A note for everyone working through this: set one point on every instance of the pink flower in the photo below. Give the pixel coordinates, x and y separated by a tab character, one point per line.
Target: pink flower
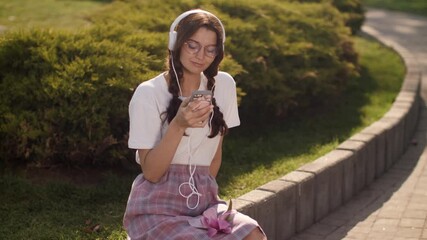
217	223
214	222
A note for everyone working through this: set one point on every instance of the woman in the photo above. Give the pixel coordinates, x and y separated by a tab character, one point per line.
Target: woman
179	141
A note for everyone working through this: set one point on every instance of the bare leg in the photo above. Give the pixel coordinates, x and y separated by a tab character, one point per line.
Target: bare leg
256	234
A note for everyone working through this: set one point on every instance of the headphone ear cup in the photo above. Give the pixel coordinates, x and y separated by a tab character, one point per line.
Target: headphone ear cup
172	40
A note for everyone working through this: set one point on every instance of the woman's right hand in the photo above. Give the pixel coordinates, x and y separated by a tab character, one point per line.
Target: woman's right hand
193	114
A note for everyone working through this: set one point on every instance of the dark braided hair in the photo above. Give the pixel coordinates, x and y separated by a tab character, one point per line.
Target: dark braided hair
187	27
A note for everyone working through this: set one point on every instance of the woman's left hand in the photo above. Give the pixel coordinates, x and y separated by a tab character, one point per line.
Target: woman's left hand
200	113
194	114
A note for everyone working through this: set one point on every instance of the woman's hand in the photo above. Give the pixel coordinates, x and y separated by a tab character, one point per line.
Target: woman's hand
194	114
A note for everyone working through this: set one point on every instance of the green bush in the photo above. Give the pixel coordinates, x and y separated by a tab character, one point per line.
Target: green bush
352	11
284	55
64	96
294	54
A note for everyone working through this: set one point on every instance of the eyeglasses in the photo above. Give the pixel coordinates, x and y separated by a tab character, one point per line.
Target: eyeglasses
194	47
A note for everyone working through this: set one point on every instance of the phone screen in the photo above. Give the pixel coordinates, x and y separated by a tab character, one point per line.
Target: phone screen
201	96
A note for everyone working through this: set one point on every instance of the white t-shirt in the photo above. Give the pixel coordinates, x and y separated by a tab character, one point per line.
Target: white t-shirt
146	128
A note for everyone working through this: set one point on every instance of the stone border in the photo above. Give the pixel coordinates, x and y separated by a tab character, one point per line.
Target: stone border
292	203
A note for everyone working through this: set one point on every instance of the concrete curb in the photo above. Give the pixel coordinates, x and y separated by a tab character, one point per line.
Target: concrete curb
291	204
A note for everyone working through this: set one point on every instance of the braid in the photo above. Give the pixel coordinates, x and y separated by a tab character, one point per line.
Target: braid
175	101
218	123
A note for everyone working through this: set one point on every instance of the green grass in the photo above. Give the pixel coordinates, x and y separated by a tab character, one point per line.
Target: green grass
410	6
70	14
60	210
252	156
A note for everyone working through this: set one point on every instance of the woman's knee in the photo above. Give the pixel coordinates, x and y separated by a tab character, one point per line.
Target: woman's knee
256	234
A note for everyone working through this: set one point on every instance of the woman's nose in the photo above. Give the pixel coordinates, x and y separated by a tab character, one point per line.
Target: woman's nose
200	54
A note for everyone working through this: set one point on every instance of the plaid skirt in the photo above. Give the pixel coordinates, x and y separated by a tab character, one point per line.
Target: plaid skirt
158	211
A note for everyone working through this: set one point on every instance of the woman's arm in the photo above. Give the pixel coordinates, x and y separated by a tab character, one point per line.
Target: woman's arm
155	162
216	161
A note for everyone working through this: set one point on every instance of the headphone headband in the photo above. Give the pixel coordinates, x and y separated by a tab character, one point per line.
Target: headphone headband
173	33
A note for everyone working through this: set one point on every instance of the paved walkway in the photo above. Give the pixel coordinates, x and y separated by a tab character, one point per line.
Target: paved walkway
395	206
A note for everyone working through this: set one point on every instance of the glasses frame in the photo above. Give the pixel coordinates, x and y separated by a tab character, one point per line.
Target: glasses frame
194	47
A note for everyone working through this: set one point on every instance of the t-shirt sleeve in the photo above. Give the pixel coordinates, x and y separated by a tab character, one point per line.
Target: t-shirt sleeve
144	119
231	112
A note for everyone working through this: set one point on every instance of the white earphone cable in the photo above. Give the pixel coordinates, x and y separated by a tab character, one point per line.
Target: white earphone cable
176	76
191	182
191	168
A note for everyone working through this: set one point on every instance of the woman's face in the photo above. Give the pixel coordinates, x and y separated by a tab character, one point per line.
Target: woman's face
199	51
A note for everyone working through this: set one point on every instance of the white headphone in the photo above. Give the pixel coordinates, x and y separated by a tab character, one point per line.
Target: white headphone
172	32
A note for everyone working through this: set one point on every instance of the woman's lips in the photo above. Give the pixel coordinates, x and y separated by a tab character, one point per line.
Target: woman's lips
199	65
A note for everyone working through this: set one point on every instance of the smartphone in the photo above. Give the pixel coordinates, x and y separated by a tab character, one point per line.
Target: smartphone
201	95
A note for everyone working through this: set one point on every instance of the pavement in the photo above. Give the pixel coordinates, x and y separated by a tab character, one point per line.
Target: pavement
394	206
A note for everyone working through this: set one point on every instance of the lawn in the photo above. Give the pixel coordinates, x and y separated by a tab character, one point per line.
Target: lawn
69	14
412	6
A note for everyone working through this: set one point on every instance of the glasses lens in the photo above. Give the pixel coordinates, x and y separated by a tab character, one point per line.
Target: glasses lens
211	51
193	47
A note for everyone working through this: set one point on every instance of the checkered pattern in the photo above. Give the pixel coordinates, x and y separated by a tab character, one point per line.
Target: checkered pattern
158	211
